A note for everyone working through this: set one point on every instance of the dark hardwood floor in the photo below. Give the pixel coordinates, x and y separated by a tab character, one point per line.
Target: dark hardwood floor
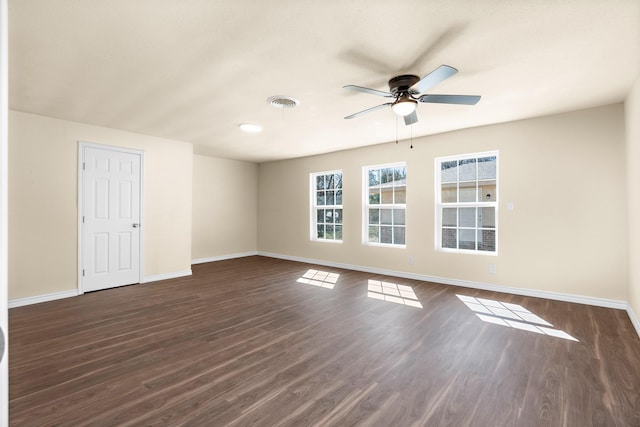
266	342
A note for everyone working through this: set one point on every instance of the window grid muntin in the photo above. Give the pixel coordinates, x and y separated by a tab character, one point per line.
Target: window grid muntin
480	176
378	180
327	212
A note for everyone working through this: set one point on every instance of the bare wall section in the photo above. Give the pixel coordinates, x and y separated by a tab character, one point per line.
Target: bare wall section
632	111
43	212
564	174
225	207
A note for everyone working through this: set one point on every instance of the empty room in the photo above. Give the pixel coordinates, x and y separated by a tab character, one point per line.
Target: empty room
297	213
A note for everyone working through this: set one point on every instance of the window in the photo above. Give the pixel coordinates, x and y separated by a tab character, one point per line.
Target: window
467	202
326	206
385	197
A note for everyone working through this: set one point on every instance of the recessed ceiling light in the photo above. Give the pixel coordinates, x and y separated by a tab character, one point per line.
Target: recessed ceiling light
250	127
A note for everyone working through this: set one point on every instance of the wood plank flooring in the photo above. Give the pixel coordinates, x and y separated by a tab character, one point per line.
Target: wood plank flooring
266	342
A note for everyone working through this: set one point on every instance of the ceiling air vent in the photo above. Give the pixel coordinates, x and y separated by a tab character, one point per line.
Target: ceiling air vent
280	101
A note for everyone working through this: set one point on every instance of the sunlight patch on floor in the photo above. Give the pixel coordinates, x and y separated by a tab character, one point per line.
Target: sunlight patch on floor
511	315
323	279
393	292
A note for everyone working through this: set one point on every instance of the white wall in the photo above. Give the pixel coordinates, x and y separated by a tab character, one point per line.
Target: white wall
43	210
564	173
632	111
4	105
225	205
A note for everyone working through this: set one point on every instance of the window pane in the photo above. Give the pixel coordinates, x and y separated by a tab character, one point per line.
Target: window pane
320	233
467	192
374	196
328	182
449	238
385	216
398	217
387	195
320	216
400	175
467	170
328	232
338	216
487	167
467	239
338	230
386	175
338	197
449	171
487	191
320	182
374	216
487	217
449	193
487	240
330	197
450	217
374	177
337	180
320	198
467	217
401	195
386	234
374	234
398	235
328	216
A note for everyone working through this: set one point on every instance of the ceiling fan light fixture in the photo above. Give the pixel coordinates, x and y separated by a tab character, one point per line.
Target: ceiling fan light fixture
404	106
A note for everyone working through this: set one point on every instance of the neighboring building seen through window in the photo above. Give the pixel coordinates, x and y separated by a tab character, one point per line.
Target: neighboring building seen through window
467	203
385	198
326	206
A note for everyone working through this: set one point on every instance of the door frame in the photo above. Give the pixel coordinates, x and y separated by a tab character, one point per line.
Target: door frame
81	146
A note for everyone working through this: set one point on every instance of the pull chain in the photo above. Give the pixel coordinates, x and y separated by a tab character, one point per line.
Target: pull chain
411	137
396	129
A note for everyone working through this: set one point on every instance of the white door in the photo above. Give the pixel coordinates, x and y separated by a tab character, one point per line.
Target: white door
110	222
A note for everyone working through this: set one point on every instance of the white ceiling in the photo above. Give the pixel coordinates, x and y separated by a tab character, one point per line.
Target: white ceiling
193	70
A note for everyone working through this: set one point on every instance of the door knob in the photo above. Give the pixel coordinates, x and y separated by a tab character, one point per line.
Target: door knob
136	225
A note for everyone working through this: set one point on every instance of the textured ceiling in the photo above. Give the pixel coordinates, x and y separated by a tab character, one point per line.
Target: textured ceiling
193	70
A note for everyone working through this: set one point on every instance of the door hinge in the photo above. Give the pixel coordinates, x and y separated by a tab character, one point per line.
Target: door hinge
84	166
83	219
83	272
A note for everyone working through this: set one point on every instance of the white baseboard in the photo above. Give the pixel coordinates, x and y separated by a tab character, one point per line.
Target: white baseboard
223	257
42	298
600	302
74	293
634	319
165	276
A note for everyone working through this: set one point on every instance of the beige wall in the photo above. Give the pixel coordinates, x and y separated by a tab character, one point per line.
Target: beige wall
43	170
225	205
565	175
632	110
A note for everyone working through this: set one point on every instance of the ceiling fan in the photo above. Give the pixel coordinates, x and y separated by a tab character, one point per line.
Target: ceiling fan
407	90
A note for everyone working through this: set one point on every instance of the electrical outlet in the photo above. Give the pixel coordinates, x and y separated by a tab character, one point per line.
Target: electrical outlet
410	260
492	268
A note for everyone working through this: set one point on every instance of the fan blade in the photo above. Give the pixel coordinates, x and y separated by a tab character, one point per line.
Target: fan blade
411	118
369	110
368	90
451	99
438	75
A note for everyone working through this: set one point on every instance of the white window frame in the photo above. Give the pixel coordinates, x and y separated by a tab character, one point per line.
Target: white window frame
478	204
366	205
313	211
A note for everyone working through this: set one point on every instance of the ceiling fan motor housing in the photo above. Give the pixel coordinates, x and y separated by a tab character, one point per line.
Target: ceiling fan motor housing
401	85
